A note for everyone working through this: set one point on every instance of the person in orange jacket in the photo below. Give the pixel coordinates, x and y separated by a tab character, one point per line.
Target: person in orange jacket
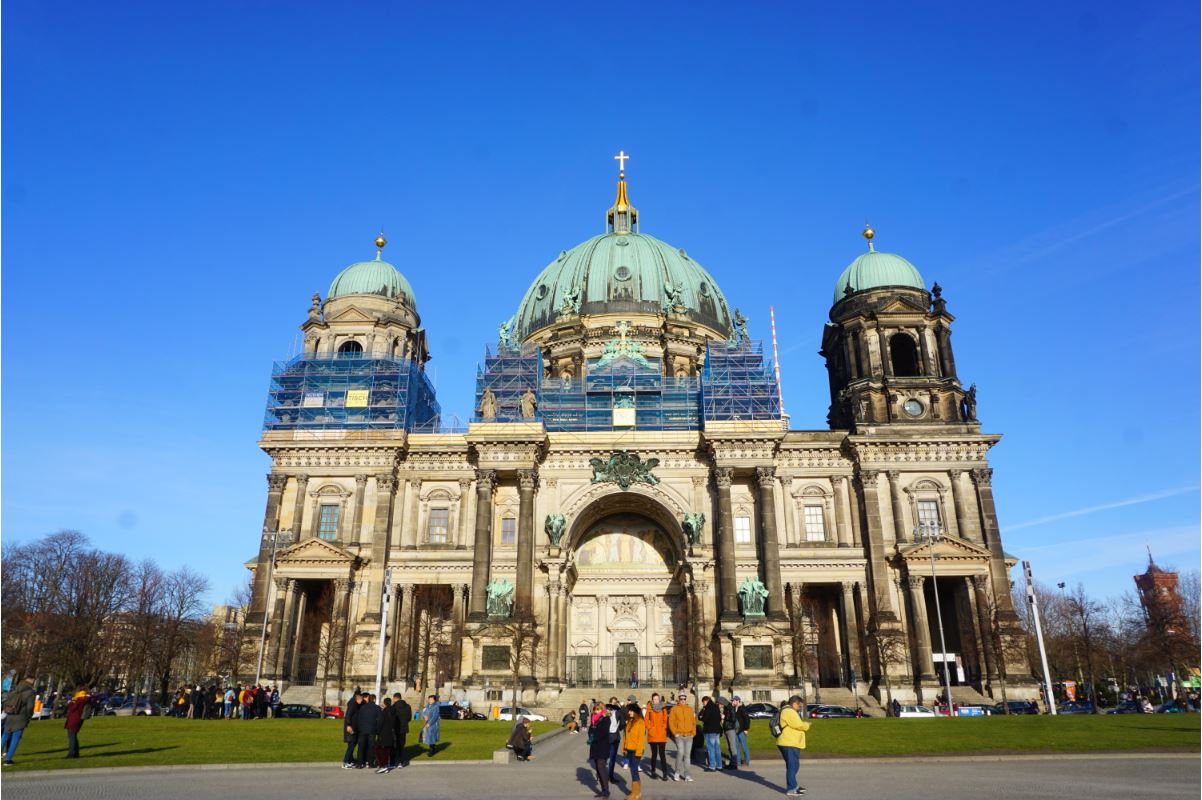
634	742
656	717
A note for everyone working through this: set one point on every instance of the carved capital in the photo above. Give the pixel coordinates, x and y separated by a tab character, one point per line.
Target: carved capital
983	477
276	482
722	477
342	585
485	480
464	484
551	483
302	481
893	476
415	484
765	476
915	582
698	481
408	590
979	582
281	585
955	474
385	483
360	481
527	478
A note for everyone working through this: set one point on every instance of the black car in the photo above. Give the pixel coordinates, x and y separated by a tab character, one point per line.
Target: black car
1076	707
822	711
299	711
760	710
1015	707
1128	707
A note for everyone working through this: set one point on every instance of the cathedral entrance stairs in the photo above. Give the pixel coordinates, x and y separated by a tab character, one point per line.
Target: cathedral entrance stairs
968	696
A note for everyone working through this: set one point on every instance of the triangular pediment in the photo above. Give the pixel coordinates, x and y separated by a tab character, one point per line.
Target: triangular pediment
314	551
947	548
902	305
351	314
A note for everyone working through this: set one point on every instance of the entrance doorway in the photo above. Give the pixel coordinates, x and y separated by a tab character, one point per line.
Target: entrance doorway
627	663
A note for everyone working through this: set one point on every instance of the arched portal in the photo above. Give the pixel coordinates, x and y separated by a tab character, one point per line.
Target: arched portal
627	605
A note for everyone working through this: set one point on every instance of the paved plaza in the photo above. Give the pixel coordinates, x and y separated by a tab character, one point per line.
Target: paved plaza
559	771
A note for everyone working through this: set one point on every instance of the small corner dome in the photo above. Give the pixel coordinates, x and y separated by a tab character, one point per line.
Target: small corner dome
376	277
874	270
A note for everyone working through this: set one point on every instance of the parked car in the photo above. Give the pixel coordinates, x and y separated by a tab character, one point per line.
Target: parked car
507	713
819	711
145	708
917	712
1128	707
1014	707
1075	707
332	712
761	710
1176	707
299	711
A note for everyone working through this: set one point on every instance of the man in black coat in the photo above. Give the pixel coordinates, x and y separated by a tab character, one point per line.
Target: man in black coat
364	725
348	729
403	714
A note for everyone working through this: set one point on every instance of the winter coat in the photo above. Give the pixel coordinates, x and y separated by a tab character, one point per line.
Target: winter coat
367	718
793	729
636	736
431	729
386	728
682	721
711	718
657	723
598	748
75	712
19	707
741	716
404	715
520	738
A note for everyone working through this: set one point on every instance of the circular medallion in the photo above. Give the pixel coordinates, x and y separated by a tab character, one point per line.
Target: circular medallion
913	407
622	273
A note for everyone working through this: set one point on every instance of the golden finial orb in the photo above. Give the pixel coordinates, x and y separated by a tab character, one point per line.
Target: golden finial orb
381	241
868	233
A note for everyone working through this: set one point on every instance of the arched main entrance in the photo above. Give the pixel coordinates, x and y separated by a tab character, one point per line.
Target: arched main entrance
627	605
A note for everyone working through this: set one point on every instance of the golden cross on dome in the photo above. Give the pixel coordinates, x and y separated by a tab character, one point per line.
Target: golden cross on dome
621	158
622	328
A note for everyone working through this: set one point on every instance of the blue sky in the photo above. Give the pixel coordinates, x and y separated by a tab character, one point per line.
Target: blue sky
179	179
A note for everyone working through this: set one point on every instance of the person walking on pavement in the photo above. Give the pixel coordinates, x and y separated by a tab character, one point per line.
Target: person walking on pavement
582	715
682	724
791	742
403	714
76	711
634	742
18	710
348	729
711	729
656	717
744	720
598	748
431	724
730	732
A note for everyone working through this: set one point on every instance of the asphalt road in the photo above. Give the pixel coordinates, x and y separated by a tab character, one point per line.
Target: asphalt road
558	771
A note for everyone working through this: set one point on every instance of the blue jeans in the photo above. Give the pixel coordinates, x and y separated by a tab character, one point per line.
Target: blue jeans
226	709
792	756
9	743
632	759
613	754
743	747
713	750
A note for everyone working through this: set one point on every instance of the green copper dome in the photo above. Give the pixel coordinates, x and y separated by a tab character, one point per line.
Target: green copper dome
873	270
622	272
376	277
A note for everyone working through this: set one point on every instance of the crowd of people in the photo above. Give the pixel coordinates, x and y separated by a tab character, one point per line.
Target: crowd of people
621	735
377	733
240	701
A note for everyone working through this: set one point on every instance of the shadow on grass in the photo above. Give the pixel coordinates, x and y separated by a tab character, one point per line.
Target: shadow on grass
139	751
63	749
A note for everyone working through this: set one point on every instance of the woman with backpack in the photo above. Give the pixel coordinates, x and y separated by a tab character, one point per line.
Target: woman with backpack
78	710
789	728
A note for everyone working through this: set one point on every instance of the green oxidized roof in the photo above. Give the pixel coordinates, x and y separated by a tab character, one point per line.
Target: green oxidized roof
873	270
376	277
622	272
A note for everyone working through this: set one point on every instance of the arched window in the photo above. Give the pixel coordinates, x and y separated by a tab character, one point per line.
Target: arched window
904	355
351	348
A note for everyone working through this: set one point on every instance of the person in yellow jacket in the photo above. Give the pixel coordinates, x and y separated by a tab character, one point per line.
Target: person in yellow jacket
633	743
791	742
682	724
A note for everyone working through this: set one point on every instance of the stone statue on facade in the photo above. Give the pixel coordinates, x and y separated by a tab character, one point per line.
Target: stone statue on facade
554	527
500	597
504	337
315	308
625	469
529	404
673	298
571	301
741	326
752	594
694	524
488	405
968	407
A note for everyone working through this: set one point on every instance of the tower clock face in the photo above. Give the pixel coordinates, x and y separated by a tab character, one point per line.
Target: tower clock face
913	407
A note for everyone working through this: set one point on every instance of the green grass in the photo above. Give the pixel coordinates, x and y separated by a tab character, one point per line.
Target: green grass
1019	734
162	741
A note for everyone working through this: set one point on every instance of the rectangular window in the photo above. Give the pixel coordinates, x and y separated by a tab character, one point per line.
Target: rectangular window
494	657
438	526
757	656
742	530
327	522
928	514
815	524
509	531
493	695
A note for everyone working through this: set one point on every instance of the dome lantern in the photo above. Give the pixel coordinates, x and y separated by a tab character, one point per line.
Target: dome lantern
622	217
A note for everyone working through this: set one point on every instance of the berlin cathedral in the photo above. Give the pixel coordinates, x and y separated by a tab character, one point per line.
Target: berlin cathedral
628	504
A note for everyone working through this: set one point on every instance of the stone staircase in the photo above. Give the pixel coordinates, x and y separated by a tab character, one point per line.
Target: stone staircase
968	696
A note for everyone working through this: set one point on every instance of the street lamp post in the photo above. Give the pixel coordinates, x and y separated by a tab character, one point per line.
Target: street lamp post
384	603
273	537
932	532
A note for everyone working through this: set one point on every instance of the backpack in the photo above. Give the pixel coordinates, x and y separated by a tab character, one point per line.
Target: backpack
88	711
774	726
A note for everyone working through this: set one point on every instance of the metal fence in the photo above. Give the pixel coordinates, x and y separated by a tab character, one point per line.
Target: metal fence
626	671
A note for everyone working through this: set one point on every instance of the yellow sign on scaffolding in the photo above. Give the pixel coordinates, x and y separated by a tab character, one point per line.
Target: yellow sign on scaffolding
356	398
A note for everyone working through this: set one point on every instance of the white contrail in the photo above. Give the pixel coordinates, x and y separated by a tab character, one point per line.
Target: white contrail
1130	501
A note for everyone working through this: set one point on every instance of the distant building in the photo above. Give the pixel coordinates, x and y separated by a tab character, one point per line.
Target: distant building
1162	603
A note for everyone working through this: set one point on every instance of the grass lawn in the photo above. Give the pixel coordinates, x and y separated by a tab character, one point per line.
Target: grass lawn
1018	734
160	741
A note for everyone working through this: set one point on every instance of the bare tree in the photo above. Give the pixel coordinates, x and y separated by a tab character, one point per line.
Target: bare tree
1189	588
236	644
331	651
182	606
521	634
888	646
1087	630
802	630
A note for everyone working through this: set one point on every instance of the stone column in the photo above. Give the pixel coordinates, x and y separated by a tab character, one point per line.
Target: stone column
883	342
552	627
410	534
865	666
341	627
524	594
924	664
356	536
843	529
878	567
851	632
775	606
603	646
298	506
946	360
983	478
561	651
271	518
295	634
900	517
865	354
979	592
925	366
458	616
401	661
849	347
482	552
462	536
728	606
280	635
380	534
963	524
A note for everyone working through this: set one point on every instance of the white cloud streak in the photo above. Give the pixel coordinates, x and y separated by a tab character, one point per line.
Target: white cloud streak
1130	501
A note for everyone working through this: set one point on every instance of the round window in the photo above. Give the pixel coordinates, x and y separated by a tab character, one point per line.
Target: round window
622	273
541	291
683	254
705	289
912	407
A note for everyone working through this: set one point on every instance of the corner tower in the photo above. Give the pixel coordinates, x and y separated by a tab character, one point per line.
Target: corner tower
888	349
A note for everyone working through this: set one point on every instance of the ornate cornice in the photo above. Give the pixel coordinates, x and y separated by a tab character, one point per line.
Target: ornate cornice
922	451
335	457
